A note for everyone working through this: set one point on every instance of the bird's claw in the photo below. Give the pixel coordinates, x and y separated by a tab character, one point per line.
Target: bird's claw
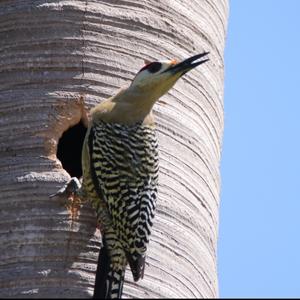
68	189
71	191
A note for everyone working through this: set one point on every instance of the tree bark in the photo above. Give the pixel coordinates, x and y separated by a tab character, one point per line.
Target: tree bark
58	59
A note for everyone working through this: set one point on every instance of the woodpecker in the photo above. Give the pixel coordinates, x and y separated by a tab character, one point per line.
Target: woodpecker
120	171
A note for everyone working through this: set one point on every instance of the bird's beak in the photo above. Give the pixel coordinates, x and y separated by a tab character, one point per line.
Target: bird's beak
188	64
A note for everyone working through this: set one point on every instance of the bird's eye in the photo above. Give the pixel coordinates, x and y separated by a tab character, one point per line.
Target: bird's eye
152	67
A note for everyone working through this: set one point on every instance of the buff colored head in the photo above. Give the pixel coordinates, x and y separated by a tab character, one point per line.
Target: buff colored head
158	77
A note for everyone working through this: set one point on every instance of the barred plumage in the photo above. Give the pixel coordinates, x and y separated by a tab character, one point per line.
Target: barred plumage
124	164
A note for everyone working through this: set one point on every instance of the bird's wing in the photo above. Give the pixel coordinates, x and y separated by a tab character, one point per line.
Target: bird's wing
125	168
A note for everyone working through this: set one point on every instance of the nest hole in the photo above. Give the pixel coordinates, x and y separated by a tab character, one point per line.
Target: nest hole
70	147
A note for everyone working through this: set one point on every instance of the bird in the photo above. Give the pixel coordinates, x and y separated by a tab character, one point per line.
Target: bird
120	163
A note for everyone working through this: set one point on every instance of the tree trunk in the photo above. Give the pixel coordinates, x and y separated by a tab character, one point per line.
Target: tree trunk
58	59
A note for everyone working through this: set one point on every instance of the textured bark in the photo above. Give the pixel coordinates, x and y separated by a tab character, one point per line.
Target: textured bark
59	58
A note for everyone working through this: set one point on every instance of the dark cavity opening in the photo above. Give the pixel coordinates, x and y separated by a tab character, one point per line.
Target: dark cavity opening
69	149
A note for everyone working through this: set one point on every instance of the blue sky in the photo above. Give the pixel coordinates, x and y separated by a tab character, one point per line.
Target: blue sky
259	233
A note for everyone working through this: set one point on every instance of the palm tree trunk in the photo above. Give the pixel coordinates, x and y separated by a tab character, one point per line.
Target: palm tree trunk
59	58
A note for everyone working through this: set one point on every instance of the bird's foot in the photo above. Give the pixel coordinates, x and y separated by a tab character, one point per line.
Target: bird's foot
69	195
71	187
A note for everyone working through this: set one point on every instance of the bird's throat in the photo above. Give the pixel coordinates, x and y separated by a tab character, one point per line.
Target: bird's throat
125	108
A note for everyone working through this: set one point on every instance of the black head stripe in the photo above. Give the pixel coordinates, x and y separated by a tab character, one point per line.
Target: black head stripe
152	67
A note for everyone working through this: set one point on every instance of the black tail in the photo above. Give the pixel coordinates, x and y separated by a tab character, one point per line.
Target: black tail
137	265
108	283
101	273
114	284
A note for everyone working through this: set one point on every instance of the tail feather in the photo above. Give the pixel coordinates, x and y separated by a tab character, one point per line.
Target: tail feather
137	265
109	282
114	284
103	268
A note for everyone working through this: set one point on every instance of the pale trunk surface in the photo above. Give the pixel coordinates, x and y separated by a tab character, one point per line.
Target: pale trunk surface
57	60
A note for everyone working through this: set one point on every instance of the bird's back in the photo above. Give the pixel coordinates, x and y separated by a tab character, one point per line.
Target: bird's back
124	160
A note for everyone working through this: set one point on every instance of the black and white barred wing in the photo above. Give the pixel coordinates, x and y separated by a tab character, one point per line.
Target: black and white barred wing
125	163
